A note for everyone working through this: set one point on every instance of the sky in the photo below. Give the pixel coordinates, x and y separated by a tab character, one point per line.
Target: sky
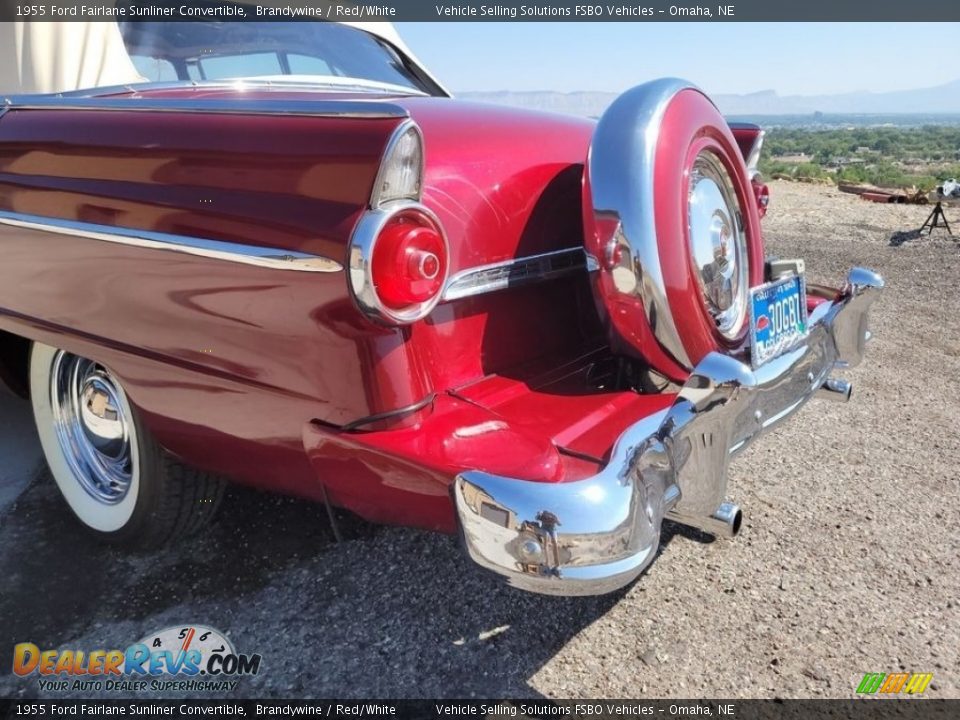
791	58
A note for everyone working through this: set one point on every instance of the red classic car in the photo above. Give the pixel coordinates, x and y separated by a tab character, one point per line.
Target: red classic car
331	279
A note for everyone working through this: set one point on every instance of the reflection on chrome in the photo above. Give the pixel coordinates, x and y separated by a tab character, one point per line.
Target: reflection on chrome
718	243
521	271
266	257
621	162
91	427
595	535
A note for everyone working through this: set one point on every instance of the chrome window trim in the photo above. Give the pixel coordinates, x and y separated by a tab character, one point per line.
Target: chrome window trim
621	170
235	83
240	106
266	257
545	266
362	244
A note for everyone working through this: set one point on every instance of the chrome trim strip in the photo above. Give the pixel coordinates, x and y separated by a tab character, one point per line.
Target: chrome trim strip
267	257
302	108
621	170
519	271
594	535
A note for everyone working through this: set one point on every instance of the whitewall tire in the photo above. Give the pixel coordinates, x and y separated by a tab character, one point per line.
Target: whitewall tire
114	477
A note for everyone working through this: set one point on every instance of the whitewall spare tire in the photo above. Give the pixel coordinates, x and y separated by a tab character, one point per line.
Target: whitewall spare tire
113	475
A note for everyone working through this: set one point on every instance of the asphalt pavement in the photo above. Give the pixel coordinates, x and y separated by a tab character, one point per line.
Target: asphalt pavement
20	457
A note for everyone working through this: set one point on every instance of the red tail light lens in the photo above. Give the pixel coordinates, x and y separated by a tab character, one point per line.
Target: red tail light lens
409	264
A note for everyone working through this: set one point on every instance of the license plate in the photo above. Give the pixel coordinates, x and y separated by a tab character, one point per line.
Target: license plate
778	317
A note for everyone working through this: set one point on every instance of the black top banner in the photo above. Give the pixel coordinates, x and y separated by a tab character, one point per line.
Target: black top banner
474	11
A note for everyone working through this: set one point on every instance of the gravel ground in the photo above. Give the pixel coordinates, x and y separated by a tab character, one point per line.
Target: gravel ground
847	562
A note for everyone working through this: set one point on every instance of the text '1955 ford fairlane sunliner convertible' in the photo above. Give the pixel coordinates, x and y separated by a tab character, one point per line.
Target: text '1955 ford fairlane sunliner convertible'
330	279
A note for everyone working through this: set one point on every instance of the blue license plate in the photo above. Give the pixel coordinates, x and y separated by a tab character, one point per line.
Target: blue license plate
778	317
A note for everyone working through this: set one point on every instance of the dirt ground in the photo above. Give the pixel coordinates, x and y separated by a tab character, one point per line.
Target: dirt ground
847	563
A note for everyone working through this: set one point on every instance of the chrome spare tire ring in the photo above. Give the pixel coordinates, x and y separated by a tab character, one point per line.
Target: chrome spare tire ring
91	426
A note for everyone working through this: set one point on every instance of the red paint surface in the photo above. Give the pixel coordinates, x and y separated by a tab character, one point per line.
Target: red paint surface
231	365
247	371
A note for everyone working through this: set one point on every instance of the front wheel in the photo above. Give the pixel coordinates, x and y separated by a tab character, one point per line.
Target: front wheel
115	478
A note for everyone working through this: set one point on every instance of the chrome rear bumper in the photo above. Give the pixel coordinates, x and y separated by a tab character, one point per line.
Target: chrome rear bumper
595	535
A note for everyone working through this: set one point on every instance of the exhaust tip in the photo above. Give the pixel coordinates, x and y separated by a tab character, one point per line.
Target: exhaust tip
836	389
727	520
737	523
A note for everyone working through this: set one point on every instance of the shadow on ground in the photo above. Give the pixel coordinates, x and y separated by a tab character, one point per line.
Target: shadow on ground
902	237
387	613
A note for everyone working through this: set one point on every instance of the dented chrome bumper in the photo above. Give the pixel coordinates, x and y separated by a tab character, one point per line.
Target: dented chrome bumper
595	535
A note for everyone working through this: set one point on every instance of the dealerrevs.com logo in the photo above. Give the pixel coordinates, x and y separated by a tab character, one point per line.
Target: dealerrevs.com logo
182	658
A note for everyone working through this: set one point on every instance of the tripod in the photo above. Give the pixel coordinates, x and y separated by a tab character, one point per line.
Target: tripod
935	219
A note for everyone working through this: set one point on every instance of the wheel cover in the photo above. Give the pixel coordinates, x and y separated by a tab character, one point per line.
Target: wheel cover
718	243
92	427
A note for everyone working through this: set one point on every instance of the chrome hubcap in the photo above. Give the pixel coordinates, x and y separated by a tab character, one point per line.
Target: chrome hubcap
91	426
718	243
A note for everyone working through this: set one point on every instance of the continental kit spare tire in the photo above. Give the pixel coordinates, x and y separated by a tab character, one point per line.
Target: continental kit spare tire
671	219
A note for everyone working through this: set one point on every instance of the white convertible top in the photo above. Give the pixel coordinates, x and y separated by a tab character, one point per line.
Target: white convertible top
48	57
51	57
388	32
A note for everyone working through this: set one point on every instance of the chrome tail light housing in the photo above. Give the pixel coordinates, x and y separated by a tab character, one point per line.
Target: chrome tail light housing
399	254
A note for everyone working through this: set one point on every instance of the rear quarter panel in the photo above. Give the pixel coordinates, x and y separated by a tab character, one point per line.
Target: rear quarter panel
212	351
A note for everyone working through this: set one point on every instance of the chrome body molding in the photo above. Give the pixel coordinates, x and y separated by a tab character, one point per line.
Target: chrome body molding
310	108
362	242
595	535
621	171
266	257
520	271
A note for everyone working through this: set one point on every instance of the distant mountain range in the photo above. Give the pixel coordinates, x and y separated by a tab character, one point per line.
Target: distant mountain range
933	100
